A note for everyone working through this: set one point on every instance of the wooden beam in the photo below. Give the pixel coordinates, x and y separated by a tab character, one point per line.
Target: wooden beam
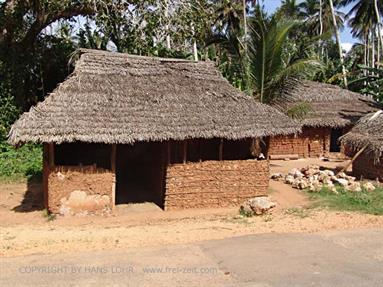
185	150
221	150
344	169
113	168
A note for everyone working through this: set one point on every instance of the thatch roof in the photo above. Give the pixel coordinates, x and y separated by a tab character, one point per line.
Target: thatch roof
120	98
329	105
368	131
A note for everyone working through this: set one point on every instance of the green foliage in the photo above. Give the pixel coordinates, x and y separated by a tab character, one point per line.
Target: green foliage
21	163
245	213
270	64
364	201
49	216
8	109
371	83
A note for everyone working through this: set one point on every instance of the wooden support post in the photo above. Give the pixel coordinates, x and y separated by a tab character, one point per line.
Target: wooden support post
45	174
51	155
185	150
169	152
113	168
221	150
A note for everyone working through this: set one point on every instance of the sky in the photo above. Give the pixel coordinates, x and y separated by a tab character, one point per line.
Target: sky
346	37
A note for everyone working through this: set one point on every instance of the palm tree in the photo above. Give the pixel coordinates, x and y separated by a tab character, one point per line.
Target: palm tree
319	17
364	21
269	64
290	9
337	36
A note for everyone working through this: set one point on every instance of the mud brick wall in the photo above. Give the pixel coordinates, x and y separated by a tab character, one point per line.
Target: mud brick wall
365	167
80	189
312	142
215	183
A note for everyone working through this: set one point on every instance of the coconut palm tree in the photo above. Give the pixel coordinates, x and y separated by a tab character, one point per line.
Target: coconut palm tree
269	64
318	16
337	36
290	9
364	21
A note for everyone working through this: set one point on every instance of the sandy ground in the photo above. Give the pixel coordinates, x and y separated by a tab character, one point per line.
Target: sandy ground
24	230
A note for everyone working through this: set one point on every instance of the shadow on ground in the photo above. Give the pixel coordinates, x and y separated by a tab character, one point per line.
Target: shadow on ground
33	199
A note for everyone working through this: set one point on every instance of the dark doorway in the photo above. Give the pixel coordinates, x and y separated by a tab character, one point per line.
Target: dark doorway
334	140
140	173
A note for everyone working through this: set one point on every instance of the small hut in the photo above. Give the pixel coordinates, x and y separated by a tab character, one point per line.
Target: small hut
366	138
126	129
328	113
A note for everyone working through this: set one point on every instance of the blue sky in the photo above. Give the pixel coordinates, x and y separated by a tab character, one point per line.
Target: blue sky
346	37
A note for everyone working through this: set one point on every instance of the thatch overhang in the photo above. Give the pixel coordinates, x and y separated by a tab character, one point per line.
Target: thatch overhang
329	105
121	98
367	132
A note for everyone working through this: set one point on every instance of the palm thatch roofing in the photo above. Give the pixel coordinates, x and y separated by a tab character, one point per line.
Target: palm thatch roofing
367	132
326	105
121	98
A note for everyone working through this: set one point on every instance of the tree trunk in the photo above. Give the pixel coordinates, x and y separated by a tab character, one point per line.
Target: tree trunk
373	49
320	27
244	19
378	48
380	27
167	24
195	50
337	36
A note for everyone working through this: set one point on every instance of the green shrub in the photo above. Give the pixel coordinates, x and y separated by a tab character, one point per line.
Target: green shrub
20	163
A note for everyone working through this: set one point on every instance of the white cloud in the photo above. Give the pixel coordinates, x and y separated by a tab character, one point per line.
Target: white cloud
347	46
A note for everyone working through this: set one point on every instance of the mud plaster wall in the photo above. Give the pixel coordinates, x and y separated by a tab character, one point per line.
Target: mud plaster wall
69	185
365	167
312	142
215	183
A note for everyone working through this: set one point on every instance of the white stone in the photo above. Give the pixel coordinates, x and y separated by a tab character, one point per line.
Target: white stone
258	205
368	186
289	179
296	173
342	182
342	175
329	172
355	186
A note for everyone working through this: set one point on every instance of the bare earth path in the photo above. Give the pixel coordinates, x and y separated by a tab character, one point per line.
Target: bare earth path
26	233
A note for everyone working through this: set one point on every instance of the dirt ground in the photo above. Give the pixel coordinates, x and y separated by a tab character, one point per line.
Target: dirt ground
24	229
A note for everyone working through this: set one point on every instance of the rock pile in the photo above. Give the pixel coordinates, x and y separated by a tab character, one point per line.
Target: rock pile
257	206
313	179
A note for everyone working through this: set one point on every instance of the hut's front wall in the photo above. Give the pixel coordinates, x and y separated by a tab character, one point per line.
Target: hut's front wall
364	166
73	190
215	183
312	142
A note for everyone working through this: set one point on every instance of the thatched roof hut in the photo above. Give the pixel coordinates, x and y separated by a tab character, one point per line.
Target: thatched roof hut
120	98
329	105
367	132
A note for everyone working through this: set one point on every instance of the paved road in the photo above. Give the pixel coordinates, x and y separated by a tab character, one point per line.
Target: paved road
347	258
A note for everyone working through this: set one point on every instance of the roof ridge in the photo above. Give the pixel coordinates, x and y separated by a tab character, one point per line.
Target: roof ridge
127	55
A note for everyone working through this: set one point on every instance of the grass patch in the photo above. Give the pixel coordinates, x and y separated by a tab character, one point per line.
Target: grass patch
370	202
243	212
18	164
49	216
